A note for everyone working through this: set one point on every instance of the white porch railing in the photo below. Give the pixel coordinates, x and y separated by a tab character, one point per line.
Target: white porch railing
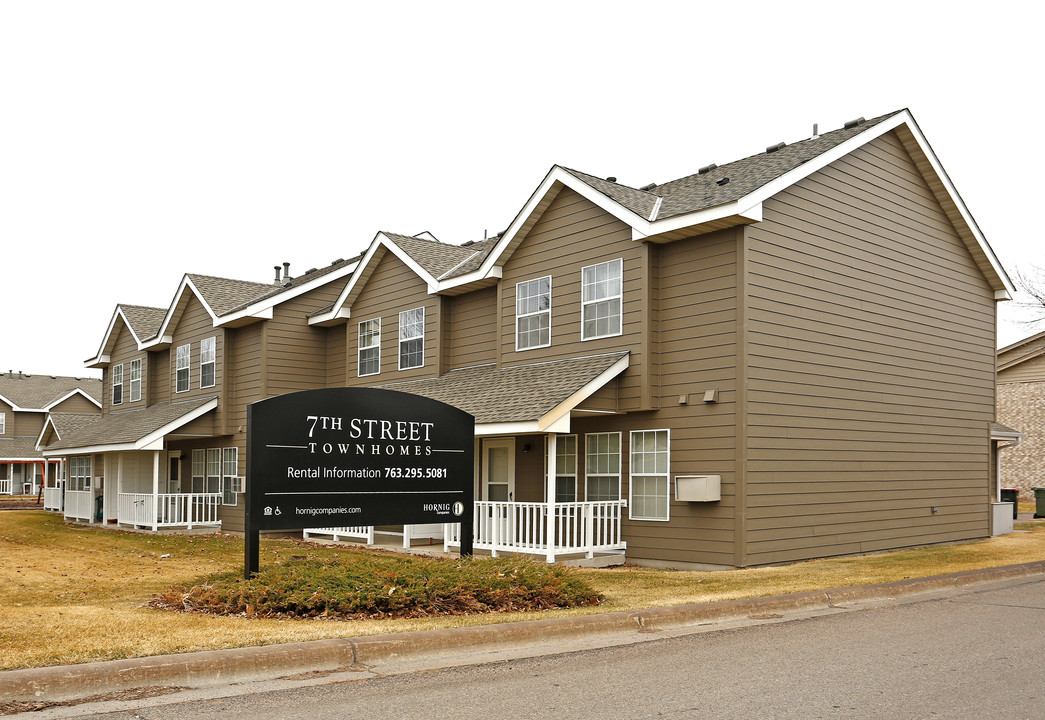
358	532
79	504
53	498
168	509
5	486
579	527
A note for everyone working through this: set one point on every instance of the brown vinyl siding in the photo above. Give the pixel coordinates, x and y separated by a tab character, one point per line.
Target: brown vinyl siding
870	370
337	358
124	350
25	424
473	328
572	234
194	326
392	289
156	370
297	352
78	405
1032	370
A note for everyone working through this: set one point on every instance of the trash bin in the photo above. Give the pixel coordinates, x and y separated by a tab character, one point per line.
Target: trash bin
1011	495
1039	502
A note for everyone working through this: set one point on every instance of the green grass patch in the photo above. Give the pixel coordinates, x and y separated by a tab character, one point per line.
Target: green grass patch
371	584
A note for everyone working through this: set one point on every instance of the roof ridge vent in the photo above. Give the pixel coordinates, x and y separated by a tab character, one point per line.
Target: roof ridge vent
611	179
706	169
722	181
854	123
647	188
778	146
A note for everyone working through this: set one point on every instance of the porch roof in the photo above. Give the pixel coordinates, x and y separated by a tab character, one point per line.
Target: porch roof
524	398
127	430
14	449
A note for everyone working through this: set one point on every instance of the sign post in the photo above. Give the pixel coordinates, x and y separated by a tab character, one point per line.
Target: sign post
345	457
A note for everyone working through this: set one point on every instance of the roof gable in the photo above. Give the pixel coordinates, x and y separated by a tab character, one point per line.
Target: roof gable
39	393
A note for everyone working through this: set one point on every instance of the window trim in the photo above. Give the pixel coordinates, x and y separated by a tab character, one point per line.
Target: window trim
519	316
228	482
133	380
409	339
588	465
116	372
187	368
666	474
213	353
360	348
619	297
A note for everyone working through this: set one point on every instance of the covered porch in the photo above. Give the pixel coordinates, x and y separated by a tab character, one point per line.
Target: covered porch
134	481
526	483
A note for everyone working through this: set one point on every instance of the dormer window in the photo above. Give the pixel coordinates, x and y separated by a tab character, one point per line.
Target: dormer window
601	293
181	382
117	384
207	363
533	313
412	338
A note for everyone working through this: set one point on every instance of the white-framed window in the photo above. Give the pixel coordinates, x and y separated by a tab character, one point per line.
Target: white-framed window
136	380
207	363
117	384
533	313
199	470
181	374
602	289
3	423
566	468
231	483
79	473
602	466
213	470
412	338
648	475
370	347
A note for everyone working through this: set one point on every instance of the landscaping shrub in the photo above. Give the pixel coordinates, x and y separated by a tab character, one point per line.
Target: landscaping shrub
377	584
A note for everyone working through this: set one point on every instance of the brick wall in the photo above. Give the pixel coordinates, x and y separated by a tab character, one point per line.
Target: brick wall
1021	406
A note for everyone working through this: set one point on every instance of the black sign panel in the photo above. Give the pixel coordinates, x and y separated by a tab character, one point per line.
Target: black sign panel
357	456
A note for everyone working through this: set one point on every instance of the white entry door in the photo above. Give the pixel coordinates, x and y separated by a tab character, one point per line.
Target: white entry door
498	471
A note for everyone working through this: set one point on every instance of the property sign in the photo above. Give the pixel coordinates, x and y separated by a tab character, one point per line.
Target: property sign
344	457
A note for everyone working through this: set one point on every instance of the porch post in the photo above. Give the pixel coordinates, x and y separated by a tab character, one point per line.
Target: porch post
155	490
550	499
119	487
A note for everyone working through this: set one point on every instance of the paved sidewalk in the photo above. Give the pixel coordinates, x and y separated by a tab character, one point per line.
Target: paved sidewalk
222	667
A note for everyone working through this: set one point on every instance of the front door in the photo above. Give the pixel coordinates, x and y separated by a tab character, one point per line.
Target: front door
498	469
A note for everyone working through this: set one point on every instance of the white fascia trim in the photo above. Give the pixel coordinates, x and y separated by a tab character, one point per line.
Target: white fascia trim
342	314
102	357
553	420
14	407
264	309
739	208
68	395
339	311
89	450
1002	295
507	428
40	437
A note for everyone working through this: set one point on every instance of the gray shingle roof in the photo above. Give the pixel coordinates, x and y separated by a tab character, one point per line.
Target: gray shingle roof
35	392
145	321
702	191
309	276
434	256
226	294
18	448
123	427
514	394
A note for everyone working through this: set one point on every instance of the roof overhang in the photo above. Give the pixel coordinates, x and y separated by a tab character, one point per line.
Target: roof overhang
102	358
151	441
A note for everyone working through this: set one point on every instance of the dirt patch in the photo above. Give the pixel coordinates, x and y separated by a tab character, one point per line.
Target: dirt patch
21	503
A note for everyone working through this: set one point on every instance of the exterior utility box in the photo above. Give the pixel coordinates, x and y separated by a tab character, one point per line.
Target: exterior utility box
698	488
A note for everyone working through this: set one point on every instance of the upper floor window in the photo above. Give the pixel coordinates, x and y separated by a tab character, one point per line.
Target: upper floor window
602	466
412	338
533	313
181	383
117	384
207	363
3	423
601	292
136	380
370	347
649	475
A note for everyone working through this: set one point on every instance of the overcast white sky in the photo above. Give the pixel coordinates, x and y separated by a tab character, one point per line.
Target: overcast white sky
140	141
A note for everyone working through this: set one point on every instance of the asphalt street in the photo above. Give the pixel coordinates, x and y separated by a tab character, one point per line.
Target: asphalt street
971	653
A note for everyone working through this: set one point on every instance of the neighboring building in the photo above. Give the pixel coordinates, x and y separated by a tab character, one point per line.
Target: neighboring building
1021	405
789	356
25	401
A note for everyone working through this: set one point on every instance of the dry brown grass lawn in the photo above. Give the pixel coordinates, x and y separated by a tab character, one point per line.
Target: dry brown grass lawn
71	594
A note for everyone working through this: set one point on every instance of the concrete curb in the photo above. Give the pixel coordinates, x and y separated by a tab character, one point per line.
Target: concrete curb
218	667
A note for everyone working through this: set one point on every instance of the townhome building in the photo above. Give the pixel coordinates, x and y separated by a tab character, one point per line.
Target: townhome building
1021	404
783	357
25	401
168	450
